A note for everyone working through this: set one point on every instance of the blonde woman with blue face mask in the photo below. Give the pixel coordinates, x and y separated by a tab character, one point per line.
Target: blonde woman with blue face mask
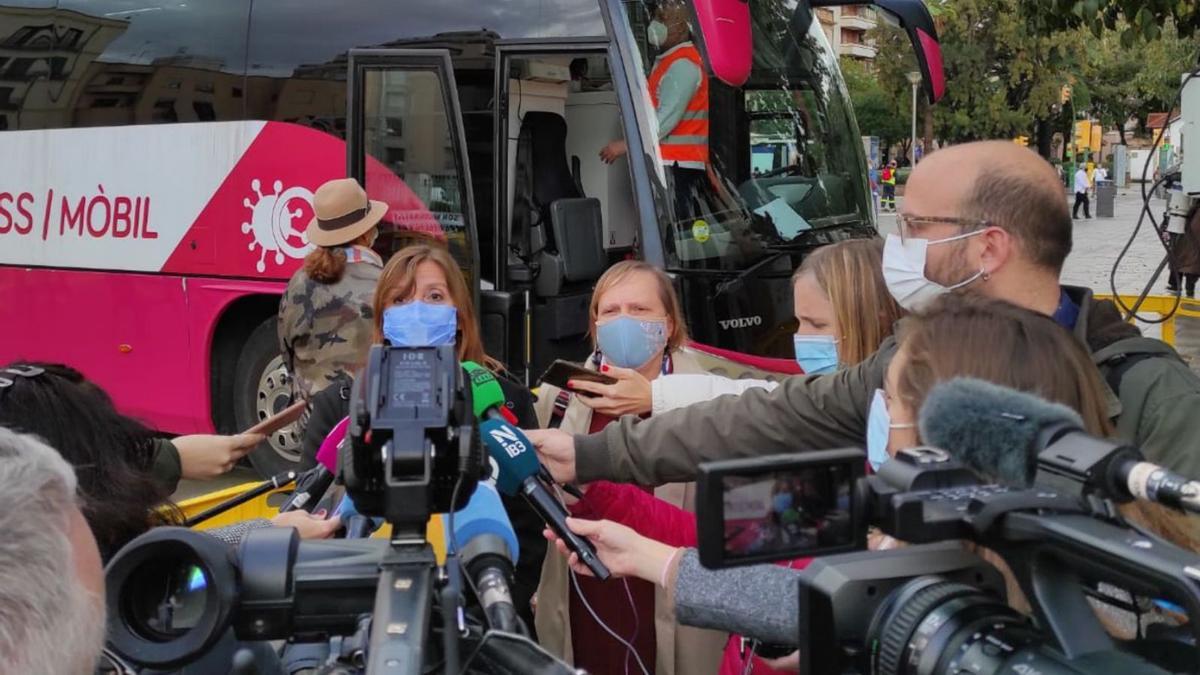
843	312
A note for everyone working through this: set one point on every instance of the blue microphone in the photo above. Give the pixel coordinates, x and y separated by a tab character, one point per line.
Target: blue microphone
489	552
518	472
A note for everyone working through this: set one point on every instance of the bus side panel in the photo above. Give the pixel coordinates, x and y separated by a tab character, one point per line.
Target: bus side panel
146	339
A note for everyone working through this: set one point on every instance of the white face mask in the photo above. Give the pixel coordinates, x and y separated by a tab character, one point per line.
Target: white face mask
904	271
656	33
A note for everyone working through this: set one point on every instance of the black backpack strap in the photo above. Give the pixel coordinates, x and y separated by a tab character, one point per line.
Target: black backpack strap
559	413
1120	364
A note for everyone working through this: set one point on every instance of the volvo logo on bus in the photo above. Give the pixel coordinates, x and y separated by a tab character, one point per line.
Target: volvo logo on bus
273	222
743	322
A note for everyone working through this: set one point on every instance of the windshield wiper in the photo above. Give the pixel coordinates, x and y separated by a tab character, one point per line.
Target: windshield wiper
777	251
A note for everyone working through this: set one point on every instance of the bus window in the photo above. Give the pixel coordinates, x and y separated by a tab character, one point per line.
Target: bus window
131	63
756	165
411	159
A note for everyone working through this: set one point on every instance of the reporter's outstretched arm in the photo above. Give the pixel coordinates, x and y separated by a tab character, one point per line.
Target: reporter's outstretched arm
804	413
760	601
679	391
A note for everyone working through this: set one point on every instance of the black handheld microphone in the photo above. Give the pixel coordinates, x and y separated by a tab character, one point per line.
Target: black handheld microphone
517	473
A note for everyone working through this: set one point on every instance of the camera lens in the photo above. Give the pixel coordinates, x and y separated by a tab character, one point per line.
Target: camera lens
170	594
931	626
170	602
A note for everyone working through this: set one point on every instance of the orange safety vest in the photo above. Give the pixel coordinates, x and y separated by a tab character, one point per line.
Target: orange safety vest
688	141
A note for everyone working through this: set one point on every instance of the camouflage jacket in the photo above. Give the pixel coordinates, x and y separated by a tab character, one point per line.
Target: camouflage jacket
325	329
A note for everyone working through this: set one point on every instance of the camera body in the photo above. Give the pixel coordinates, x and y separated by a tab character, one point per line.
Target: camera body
412	450
939	604
412	438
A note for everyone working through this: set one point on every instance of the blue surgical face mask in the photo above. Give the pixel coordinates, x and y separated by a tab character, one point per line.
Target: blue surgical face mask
816	354
420	324
627	342
879	428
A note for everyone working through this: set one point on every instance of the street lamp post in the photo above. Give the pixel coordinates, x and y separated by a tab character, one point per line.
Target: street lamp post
914	78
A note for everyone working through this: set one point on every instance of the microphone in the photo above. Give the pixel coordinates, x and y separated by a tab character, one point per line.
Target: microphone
517	470
487	399
993	430
489	552
313	484
1013	437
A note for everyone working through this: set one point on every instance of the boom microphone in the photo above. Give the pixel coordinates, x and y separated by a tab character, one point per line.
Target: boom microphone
1014	437
517	470
489	552
992	429
313	484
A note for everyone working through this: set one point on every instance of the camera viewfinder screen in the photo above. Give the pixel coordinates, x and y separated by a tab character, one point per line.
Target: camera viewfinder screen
411	382
788	511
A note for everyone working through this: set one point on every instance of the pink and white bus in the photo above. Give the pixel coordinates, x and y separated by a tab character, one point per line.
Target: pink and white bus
159	159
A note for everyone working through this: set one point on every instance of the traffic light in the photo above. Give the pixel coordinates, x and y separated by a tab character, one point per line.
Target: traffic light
1083	135
1097	137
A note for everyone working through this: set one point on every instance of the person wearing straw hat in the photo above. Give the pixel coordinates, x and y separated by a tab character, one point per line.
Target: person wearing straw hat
325	315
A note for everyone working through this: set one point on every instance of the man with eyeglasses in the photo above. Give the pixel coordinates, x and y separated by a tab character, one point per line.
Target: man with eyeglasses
1003	232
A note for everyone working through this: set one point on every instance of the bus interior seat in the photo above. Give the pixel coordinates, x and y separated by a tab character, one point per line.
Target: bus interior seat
543	176
580	258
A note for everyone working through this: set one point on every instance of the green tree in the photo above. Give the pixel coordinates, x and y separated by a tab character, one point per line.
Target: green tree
1131	19
877	111
1002	78
1125	83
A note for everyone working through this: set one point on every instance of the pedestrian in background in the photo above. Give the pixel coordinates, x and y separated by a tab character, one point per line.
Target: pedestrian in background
325	315
888	178
1081	194
1185	254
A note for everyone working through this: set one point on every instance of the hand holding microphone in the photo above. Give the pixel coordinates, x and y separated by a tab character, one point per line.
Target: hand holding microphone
625	552
556	448
518	472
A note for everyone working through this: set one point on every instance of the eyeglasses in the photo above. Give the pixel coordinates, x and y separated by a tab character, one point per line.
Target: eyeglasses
906	223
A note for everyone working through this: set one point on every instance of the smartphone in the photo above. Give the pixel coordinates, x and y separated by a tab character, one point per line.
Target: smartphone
560	372
279	420
783	507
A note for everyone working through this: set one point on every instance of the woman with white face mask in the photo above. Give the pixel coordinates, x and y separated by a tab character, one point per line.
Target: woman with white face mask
843	312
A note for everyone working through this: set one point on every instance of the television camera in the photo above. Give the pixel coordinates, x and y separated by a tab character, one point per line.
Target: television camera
412	450
993	577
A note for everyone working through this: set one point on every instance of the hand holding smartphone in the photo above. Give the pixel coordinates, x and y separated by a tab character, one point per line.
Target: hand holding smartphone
279	420
561	372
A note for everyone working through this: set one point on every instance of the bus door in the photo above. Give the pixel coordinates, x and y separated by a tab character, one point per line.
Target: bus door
563	213
405	145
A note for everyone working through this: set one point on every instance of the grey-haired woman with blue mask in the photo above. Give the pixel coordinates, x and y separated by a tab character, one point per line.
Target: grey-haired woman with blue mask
843	312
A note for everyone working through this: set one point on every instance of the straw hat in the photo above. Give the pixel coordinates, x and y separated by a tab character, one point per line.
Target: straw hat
342	213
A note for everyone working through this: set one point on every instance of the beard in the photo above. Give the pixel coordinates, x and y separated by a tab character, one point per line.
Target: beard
956	269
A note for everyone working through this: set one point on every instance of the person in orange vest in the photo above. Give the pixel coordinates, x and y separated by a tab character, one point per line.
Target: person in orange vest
678	86
888	179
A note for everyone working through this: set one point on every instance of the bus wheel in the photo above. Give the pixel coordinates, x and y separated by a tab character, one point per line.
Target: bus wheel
262	388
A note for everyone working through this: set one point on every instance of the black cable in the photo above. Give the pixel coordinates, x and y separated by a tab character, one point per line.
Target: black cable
1131	312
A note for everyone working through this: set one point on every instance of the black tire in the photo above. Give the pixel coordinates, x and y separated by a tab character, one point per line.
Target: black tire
261	388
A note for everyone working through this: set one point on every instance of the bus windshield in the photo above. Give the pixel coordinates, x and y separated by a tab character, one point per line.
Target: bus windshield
780	158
